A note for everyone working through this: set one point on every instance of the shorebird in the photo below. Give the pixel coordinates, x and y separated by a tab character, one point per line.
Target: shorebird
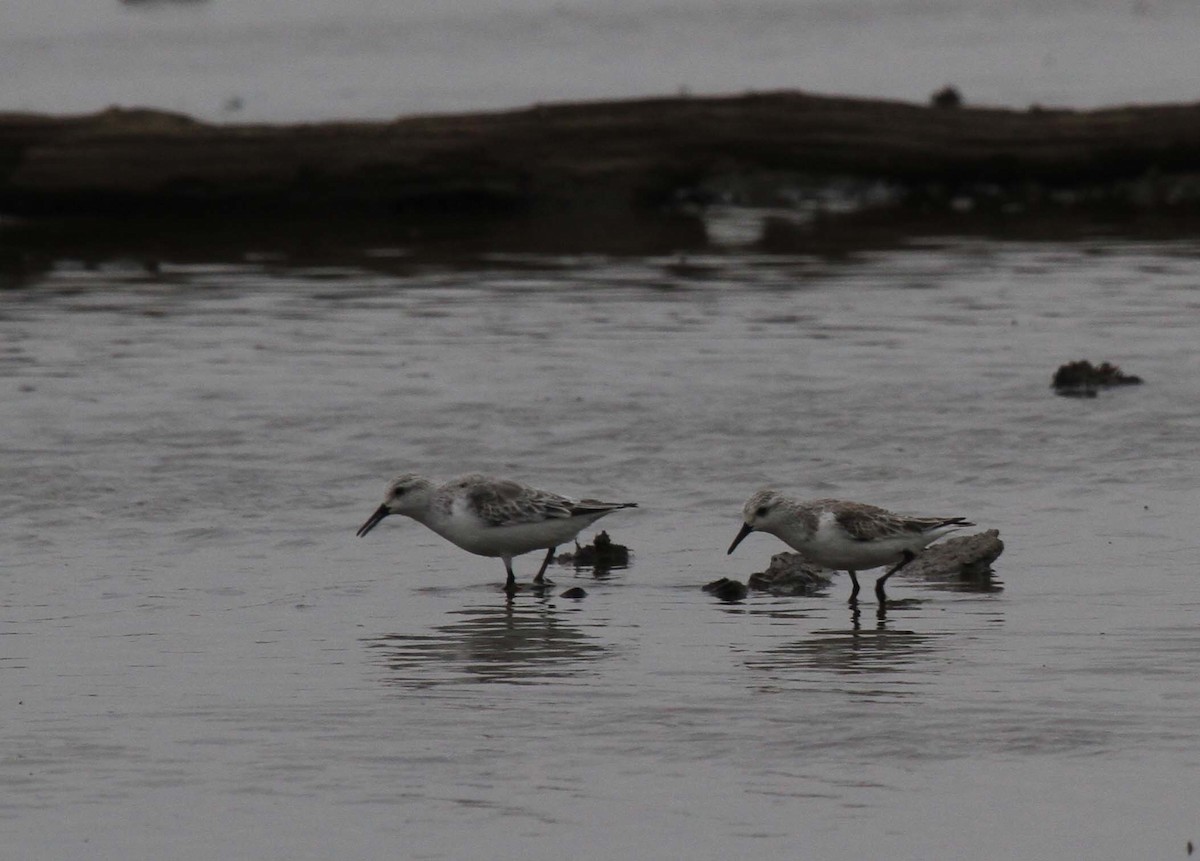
850	536
492	516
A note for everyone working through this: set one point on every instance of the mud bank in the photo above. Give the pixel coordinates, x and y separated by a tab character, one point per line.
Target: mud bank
640	171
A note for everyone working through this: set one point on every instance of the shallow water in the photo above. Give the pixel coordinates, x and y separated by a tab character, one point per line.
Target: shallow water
201	660
290	60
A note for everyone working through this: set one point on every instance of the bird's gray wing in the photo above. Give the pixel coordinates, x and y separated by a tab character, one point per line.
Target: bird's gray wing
508	503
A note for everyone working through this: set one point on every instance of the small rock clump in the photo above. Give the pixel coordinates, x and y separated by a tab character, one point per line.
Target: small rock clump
726	590
967	559
1082	379
789	574
602	554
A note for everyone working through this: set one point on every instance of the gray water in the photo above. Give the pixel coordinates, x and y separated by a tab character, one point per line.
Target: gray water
200	660
287	60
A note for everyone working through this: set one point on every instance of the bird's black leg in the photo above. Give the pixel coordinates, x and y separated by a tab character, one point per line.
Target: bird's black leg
909	556
854	591
540	578
510	585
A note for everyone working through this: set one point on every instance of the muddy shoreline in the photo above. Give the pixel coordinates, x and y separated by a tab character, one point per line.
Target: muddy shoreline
634	175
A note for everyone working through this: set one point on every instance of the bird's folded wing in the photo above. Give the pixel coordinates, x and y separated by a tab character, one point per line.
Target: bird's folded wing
507	503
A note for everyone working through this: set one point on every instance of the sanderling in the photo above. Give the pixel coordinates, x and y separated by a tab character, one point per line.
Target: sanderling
492	516
848	536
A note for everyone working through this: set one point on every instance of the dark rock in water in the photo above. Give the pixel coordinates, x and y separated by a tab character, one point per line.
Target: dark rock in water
575	592
1082	379
946	97
789	574
726	589
967	560
602	554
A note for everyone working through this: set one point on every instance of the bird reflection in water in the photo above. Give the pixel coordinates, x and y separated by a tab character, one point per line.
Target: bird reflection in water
981	581
858	649
511	643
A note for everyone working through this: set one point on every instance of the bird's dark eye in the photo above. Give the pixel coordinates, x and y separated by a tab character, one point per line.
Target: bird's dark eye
399	491
762	511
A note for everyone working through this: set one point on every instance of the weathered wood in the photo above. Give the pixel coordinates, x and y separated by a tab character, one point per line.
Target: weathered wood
616	155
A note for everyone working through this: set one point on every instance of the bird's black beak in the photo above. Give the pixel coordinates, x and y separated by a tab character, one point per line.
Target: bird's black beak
380	513
746	530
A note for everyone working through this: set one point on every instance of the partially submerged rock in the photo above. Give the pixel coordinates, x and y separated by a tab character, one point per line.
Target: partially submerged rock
967	558
575	593
603	554
1082	379
789	574
726	589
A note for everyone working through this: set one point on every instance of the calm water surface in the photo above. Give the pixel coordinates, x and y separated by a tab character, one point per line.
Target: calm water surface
289	60
200	659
